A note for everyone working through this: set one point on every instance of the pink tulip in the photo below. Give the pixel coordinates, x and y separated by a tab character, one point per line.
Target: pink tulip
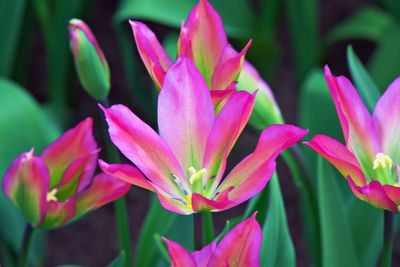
60	185
370	159
184	164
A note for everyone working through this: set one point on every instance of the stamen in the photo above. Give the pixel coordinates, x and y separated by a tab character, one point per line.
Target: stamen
51	196
382	161
189	201
196	175
176	180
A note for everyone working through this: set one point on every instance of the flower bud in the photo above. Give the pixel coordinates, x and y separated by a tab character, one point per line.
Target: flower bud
90	62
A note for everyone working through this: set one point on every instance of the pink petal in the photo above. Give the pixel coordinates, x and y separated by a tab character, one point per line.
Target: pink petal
75	143
221	97
266	110
228	68
251	174
59	213
338	155
221	202
126	173
240	247
374	194
144	147
185	113
26	184
357	124
205	33
152	53
180	257
203	255
393	192
176	205
387	120
103	190
226	129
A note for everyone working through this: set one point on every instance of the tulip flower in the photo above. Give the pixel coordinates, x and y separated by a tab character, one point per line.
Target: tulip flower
240	247
370	159
60	186
184	164
90	62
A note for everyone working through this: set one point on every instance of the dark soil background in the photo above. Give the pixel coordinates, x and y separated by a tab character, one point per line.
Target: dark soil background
92	241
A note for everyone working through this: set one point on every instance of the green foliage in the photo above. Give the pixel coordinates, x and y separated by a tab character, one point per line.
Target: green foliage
119	261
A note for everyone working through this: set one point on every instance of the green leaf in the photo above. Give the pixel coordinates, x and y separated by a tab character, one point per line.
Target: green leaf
164	223
365	85
384	64
336	236
237	15
23	122
119	261
11	17
369	23
277	247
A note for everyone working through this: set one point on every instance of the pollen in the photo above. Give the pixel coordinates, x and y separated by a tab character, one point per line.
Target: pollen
51	196
382	161
196	175
189	201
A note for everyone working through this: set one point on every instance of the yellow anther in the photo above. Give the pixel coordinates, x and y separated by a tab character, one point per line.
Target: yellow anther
189	201
382	161
51	196
196	175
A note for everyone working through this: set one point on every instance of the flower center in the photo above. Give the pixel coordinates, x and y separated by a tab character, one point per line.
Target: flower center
382	165
382	161
52	195
196	175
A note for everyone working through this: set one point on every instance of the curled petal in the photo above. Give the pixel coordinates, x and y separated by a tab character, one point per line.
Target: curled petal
185	113
357	124
387	120
176	205
152	53
221	97
339	156
180	257
252	173
393	192
126	173
59	213
240	247
144	147
374	194
26	183
221	202
228	67
103	190
205	31
75	143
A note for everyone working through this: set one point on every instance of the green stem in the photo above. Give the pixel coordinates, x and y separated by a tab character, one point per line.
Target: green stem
208	228
388	234
197	229
124	236
26	244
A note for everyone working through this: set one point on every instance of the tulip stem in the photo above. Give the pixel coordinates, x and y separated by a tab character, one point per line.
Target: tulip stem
26	244
388	234
208	228
124	235
197	229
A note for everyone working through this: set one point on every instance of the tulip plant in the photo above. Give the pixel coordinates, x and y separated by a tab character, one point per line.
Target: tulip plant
206	97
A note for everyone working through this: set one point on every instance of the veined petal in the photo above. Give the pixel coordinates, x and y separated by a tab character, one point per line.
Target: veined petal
252	173
75	143
221	202
180	257
144	147
185	113
152	53
338	155
205	32
103	190
226	129
357	124
126	173
203	255
266	110
240	247
228	68
387	120
26	184
374	194
176	205
58	213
